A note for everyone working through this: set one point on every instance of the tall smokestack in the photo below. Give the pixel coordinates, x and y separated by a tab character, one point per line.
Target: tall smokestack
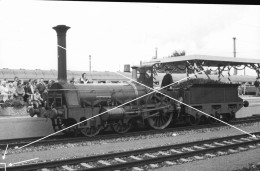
62	66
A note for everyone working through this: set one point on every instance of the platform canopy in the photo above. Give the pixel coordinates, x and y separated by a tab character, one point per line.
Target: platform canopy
196	63
205	60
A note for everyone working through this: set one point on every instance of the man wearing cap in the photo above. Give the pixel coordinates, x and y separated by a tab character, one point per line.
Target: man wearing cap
167	79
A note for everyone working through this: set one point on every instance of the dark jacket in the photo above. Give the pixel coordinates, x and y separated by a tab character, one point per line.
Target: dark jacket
27	89
41	87
256	83
167	79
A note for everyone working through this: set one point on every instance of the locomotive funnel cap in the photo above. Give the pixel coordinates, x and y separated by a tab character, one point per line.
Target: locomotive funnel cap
61	29
62	66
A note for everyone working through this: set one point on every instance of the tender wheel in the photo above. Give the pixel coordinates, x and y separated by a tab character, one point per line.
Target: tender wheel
161	120
192	120
90	132
225	117
212	120
121	127
203	119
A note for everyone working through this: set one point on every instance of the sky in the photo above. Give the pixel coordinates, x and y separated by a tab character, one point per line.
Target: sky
119	33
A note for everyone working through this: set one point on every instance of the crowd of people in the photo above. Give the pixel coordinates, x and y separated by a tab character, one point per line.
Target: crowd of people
30	92
33	91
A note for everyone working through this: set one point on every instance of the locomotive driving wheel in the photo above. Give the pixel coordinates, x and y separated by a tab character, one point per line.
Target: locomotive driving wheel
160	120
91	131
90	128
121	127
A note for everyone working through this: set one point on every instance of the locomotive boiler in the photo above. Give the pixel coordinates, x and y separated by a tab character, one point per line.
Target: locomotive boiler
69	104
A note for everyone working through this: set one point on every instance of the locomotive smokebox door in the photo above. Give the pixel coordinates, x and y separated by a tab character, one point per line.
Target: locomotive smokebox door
145	75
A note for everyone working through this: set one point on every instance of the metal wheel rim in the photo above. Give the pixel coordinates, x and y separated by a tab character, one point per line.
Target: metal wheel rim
161	121
90	132
123	128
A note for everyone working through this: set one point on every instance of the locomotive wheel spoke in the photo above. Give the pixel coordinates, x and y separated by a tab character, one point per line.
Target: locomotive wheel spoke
160	121
90	131
162	100
121	127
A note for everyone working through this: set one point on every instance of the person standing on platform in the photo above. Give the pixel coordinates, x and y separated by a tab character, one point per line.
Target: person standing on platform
11	91
83	79
4	90
37	99
167	79
16	79
20	91
256	83
50	82
41	86
29	90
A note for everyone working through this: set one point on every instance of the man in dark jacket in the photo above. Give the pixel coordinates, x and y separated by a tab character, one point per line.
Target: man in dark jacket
41	86
256	83
167	79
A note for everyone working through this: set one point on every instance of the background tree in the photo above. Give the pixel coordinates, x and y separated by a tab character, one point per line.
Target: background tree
177	53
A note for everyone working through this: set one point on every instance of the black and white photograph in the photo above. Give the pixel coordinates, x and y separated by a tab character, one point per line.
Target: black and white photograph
129	86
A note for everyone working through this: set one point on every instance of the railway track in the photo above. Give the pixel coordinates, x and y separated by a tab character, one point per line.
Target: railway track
62	139
148	158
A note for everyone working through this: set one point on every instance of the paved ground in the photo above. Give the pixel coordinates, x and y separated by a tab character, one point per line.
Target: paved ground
253	100
248	111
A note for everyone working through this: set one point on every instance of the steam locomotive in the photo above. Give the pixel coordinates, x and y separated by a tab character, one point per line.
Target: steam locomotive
68	104
95	107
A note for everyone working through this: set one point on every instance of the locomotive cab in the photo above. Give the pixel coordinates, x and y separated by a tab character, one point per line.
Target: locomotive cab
143	74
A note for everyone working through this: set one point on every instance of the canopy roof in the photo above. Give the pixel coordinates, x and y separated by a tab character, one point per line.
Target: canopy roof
204	60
